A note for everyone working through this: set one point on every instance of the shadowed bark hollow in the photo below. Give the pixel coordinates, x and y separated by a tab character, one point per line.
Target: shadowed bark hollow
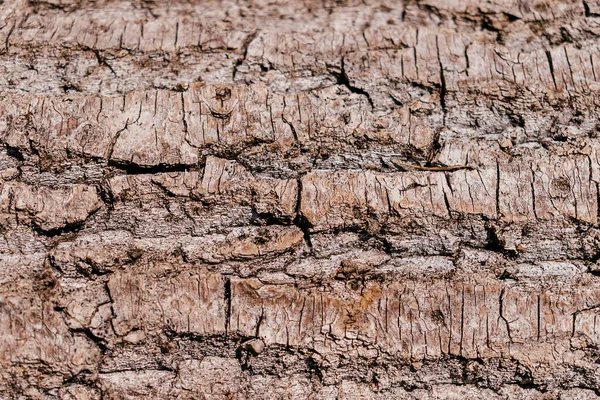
299	200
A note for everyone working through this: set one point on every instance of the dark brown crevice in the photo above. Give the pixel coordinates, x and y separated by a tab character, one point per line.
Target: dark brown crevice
551	66
343	79
69	228
227	295
467	60
14	152
100	342
588	12
102	61
300	220
136	169
442	83
501	314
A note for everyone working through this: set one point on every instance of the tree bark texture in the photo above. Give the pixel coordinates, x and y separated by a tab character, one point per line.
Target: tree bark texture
308	199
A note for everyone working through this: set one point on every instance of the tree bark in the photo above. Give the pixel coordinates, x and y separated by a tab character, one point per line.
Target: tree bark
309	200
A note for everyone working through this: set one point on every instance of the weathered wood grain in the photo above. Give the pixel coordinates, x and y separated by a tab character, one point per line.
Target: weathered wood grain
312	200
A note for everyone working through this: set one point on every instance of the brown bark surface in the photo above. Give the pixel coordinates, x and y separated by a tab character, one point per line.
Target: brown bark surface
299	200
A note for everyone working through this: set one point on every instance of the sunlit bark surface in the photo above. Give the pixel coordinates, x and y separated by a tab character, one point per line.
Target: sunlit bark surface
299	199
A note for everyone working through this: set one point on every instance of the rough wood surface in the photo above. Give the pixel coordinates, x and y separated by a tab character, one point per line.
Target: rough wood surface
310	199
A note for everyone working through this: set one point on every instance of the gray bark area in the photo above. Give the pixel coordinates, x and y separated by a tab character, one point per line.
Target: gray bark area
309	200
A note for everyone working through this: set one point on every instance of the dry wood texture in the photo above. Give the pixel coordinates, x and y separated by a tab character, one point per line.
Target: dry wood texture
299	199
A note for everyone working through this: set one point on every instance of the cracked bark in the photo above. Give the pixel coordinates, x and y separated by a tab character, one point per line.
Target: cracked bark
320	200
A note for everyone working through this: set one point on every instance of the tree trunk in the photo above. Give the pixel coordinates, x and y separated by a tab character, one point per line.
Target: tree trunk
299	200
